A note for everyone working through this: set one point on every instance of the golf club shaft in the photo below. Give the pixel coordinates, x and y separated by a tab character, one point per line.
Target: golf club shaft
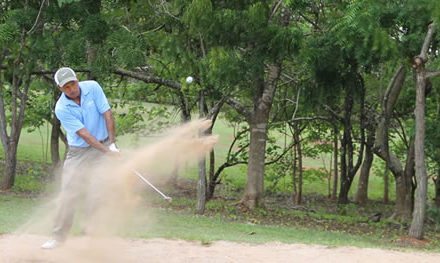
151	185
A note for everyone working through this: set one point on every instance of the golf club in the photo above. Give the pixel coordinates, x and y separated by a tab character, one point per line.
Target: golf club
169	199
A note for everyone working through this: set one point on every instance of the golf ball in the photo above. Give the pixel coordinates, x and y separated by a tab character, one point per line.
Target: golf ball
189	79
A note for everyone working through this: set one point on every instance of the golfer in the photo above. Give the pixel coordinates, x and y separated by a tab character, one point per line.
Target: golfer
85	114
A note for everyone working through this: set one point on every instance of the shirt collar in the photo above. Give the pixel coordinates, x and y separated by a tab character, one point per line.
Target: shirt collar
84	92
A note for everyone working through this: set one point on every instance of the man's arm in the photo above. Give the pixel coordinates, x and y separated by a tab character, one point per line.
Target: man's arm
110	123
92	141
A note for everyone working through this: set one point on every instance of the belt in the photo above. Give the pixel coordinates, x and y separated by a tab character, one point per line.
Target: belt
105	140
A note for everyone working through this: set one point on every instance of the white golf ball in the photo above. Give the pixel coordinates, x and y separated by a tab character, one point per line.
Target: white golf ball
189	79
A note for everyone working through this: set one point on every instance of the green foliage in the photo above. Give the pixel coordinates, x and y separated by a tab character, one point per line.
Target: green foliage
8	32
28	184
64	2
31	181
433	213
222	67
276	174
315	175
40	100
127	48
159	117
198	14
131	121
95	29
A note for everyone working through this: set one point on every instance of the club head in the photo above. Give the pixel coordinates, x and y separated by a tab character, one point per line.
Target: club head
169	199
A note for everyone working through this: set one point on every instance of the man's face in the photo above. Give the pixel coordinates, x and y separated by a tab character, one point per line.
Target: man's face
71	89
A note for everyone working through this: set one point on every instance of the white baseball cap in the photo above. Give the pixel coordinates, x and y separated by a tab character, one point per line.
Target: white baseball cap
64	75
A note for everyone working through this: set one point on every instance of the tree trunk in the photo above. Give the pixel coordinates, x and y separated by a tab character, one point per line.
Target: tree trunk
404	184
294	173
298	196
10	167
258	122
403	206
386	182
348	167
417	224
10	142
343	192
54	142
201	187
437	189
362	192
212	179
335	160
255	175
201	184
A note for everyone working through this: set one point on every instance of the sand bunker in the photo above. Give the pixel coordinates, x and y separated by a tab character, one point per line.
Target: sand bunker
84	249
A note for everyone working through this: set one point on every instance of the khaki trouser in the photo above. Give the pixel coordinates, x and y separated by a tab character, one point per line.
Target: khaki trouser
79	177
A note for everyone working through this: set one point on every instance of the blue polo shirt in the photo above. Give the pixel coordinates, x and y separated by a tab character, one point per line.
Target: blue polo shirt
89	114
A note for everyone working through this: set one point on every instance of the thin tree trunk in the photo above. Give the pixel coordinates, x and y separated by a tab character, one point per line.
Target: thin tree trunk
298	196
329	177
417	224
10	167
335	160
294	173
55	142
55	135
362	192
201	184
404	186
346	146
419	214
386	188
437	189
212	179
201	187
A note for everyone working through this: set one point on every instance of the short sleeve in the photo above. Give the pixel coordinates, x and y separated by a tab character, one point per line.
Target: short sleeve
100	98
70	123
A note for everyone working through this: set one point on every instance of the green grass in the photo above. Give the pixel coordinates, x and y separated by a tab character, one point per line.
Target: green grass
16	210
176	225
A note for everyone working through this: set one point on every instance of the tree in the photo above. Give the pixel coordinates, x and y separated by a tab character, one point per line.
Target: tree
416	229
19	39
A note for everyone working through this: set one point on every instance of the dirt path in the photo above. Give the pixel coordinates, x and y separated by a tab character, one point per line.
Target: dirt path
25	248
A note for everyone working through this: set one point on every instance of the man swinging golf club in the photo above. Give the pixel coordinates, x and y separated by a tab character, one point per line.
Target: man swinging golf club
85	114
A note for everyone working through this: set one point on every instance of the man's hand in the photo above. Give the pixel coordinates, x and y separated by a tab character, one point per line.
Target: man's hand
113	151
113	148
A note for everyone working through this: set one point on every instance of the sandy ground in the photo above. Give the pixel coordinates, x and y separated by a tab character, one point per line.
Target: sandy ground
25	248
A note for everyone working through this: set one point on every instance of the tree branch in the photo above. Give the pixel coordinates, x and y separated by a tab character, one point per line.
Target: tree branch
286	150
427	42
275	9
333	113
147	79
239	108
215	110
432	74
393	91
322	118
37	19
